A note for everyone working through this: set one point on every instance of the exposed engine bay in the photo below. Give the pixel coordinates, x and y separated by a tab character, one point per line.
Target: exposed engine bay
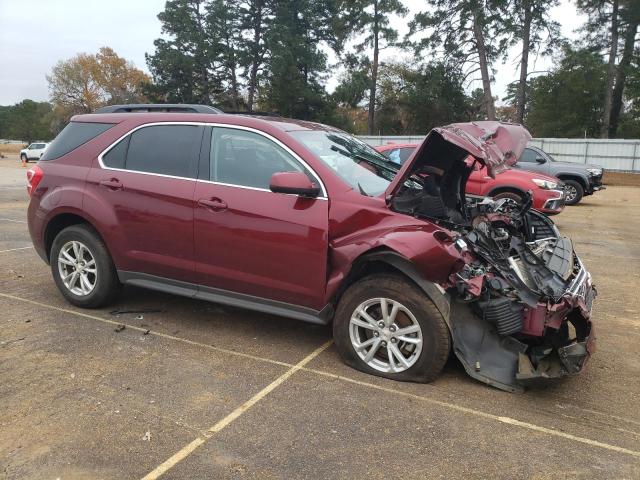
520	297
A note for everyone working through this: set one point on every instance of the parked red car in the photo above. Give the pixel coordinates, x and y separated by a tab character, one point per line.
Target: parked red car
548	192
302	220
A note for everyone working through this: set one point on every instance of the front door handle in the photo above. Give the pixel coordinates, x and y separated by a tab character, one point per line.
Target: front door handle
214	204
112	184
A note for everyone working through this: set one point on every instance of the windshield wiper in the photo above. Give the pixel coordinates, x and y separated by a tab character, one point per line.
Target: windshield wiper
362	190
365	159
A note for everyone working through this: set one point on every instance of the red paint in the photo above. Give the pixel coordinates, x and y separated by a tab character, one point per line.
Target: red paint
265	244
147	223
254	241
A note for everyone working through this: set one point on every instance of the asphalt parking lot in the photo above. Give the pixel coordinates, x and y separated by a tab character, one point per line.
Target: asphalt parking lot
196	390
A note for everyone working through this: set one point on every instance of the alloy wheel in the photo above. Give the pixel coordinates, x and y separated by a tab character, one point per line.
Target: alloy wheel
77	268
385	335
570	193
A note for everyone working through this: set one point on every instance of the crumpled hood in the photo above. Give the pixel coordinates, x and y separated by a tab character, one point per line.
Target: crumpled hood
497	145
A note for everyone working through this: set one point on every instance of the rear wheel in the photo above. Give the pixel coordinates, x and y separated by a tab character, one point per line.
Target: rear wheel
82	267
573	192
386	326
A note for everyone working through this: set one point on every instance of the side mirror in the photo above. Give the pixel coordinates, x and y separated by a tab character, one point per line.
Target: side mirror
295	183
541	160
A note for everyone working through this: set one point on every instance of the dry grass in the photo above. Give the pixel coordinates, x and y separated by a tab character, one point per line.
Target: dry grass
622	179
11	147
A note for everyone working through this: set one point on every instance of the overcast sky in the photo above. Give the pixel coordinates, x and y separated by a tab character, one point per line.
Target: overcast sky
35	34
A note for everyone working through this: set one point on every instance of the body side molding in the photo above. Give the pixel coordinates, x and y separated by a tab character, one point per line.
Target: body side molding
226	297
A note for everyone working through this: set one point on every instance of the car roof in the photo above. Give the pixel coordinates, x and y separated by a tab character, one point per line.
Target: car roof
253	121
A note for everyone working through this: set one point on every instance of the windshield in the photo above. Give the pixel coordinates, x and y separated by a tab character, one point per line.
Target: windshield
358	164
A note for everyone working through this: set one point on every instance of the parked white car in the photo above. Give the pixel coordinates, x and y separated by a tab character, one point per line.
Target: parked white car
33	151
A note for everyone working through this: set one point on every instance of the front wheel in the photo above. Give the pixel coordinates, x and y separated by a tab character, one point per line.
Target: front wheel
512	195
24	158
386	326
573	192
82	267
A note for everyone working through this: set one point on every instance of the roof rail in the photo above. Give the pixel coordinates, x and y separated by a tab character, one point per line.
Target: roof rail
262	114
158	107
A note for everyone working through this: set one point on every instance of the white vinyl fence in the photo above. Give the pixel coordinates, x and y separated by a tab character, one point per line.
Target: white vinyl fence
620	155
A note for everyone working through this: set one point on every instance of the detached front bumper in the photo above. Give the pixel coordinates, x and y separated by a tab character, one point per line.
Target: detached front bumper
556	340
567	333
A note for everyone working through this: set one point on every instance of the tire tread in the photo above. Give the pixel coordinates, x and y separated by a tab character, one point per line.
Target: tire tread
405	288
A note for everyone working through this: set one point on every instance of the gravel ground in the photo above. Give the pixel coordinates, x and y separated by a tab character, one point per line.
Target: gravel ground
217	392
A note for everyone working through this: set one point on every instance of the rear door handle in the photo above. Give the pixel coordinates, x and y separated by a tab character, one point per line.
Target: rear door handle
214	204
112	184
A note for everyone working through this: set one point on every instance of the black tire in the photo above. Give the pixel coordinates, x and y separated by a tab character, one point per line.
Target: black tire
576	187
107	285
512	195
436	341
24	158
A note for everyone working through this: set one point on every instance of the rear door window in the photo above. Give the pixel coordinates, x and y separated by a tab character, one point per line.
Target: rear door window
160	149
72	136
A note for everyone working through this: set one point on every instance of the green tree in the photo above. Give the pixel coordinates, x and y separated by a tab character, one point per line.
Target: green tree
529	23
29	121
354	83
568	101
628	125
371	19
5	112
183	66
225	27
296	66
630	20
416	98
256	18
603	31
470	34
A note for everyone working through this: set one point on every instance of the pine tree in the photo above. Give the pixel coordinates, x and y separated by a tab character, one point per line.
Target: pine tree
296	66
469	34
371	19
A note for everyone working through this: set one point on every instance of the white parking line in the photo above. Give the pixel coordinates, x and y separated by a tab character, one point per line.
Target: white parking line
144	330
14	249
448	405
189	449
479	413
12	220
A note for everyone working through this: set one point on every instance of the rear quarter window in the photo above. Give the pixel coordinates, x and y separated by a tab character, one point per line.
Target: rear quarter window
72	136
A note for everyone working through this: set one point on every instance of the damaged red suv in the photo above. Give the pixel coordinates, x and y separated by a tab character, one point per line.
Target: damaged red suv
302	220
